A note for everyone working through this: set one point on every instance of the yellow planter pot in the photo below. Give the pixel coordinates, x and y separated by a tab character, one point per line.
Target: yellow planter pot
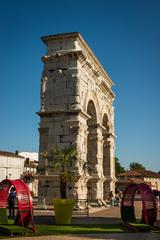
63	210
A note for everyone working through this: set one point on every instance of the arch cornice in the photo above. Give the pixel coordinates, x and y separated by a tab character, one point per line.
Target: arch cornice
76	36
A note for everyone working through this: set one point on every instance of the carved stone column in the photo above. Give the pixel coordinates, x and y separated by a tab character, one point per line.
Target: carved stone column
100	161
108	163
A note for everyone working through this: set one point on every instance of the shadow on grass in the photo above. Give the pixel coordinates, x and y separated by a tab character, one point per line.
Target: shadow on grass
80	225
50	220
91	225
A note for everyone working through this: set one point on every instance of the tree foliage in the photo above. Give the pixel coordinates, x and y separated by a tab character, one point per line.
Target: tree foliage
136	166
118	167
63	162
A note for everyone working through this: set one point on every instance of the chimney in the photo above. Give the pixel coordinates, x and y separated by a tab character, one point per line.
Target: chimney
16	152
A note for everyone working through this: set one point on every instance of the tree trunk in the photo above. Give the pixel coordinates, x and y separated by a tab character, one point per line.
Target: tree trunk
63	186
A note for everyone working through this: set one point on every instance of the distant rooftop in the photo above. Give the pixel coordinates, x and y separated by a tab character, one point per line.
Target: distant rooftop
30	155
138	173
10	154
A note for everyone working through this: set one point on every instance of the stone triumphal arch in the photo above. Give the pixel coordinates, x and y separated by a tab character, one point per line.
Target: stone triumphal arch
77	109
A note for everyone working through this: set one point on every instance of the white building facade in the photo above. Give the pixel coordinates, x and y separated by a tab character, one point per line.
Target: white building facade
30	170
11	165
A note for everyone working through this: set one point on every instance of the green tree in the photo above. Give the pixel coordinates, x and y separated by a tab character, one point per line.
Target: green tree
63	162
136	166
118	167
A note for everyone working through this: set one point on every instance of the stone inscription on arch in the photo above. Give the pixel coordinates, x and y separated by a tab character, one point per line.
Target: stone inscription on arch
77	108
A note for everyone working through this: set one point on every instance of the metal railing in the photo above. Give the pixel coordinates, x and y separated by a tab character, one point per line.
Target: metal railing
81	207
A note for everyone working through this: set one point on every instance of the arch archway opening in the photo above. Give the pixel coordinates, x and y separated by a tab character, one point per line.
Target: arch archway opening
92	138
91	190
92	149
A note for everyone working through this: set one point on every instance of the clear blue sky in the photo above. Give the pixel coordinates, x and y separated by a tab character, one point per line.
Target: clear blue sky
124	35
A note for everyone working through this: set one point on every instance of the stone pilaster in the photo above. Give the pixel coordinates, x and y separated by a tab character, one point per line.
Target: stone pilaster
109	163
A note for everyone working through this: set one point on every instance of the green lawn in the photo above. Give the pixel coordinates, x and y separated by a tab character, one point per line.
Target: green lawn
76	229
79	229
42	230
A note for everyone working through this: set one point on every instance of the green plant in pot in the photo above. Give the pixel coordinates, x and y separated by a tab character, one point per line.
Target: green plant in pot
63	160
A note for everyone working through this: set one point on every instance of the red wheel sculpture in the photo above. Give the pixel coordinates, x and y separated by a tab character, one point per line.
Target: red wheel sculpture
149	209
25	209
